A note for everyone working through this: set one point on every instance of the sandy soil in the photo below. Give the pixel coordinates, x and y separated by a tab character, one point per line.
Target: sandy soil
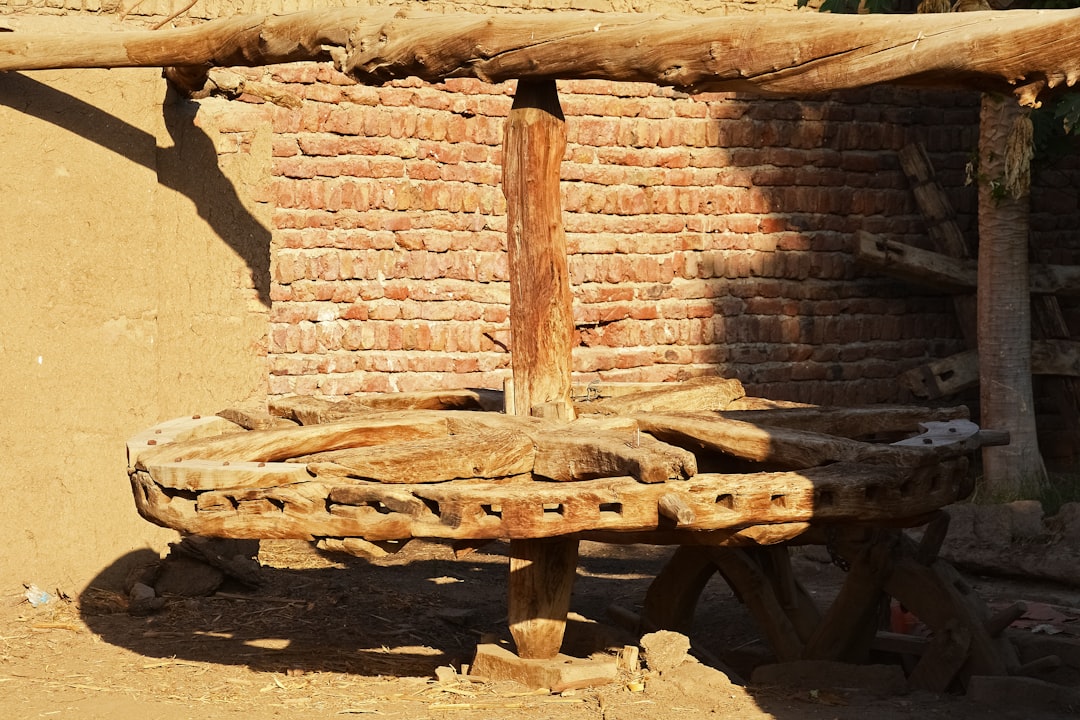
332	636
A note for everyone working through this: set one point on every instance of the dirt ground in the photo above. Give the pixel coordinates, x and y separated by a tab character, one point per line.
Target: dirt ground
331	636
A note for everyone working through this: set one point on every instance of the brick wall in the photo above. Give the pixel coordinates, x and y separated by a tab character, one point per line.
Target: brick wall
708	234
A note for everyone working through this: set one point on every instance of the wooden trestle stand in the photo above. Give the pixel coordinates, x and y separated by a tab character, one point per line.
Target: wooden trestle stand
731	480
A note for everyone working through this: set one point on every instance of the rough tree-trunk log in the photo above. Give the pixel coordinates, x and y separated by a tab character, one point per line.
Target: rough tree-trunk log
541	324
1024	52
1004	307
541	315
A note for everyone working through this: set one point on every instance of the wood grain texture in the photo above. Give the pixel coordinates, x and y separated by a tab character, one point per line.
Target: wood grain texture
273	445
697	394
541	315
796	449
760	508
541	578
492	455
1025	52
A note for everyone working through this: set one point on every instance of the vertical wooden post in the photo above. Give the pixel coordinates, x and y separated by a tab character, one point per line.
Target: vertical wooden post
541	321
541	578
541	324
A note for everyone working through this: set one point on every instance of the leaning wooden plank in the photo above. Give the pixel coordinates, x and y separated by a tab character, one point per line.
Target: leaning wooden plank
849	422
704	393
273	445
987	51
959	372
672	597
916	265
933	203
1062	280
952	275
490	455
941	222
784	447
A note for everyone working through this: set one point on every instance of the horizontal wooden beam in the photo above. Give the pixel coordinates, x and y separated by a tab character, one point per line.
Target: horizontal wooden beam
961	371
1026	51
949	274
924	267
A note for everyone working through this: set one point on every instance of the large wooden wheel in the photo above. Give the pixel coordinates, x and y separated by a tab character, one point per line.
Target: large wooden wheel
353	475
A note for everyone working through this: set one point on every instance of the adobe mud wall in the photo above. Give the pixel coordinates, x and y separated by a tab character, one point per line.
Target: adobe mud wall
132	268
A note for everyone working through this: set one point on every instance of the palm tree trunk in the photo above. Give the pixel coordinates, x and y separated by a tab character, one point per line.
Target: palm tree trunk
1004	301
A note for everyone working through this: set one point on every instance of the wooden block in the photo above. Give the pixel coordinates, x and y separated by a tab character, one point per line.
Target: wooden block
192	427
255	416
573	455
224	474
704	393
674	507
849	422
557	674
541	578
492	455
273	445
923	267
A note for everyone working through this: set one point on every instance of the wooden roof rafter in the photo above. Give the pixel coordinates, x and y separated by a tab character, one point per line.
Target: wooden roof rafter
1027	52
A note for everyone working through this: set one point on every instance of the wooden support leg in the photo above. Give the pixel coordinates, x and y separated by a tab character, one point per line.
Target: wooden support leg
541	578
753	587
798	605
850	625
673	595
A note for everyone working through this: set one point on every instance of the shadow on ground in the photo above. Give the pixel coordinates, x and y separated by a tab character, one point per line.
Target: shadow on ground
403	615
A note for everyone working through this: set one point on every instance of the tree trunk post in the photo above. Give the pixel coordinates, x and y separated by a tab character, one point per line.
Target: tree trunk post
541	321
541	325
1004	305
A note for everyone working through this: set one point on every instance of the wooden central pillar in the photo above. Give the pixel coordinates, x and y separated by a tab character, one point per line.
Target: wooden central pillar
541	325
541	320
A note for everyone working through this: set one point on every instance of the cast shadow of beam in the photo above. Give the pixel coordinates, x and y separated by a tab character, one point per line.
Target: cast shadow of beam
190	166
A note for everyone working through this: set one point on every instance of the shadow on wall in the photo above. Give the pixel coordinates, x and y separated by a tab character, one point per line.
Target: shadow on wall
189	167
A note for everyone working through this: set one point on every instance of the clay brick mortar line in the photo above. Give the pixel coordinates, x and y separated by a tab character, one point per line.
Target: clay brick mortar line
708	234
